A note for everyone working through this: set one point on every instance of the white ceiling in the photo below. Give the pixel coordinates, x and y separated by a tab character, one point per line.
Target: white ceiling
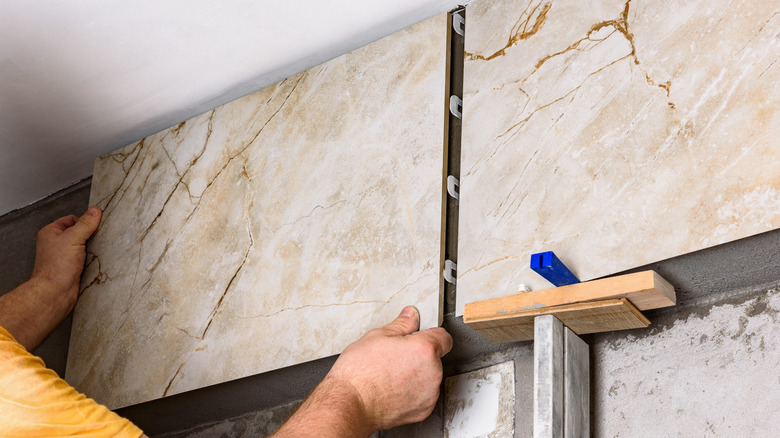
80	78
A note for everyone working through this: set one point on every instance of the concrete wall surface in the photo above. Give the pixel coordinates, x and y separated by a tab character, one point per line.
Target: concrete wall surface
252	424
706	367
711	373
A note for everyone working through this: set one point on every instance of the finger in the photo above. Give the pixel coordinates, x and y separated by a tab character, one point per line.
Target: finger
440	339
64	223
406	323
85	225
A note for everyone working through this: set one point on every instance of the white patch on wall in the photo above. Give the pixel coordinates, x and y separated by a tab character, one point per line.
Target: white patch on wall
481	403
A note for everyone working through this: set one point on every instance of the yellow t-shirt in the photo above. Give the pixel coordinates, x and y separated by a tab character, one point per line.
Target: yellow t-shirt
35	402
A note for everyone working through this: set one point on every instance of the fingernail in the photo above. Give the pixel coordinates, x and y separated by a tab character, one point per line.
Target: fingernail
409	312
412	312
92	211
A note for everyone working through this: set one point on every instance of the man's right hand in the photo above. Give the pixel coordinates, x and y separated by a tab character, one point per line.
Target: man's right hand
389	377
396	370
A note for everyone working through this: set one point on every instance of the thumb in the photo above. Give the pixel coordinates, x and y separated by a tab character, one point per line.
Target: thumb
86	225
406	323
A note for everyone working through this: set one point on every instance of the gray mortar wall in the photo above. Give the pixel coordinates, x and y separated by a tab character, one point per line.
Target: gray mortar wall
710	373
707	367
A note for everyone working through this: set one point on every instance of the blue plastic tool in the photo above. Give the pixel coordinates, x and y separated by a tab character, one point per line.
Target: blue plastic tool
551	268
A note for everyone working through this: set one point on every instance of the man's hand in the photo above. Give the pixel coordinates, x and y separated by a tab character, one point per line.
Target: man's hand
35	308
389	377
60	252
395	370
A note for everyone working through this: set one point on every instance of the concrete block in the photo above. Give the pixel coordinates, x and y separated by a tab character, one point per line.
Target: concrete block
481	403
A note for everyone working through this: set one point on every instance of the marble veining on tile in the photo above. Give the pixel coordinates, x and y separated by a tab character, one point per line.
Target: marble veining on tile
481	403
615	133
271	231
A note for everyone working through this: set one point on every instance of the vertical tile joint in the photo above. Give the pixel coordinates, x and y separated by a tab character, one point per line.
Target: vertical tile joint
454	113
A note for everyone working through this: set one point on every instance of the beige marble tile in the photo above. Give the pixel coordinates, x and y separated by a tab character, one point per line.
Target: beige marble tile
615	133
271	231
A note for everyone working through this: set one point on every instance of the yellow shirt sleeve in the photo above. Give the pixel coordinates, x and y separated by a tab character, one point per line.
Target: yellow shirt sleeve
36	402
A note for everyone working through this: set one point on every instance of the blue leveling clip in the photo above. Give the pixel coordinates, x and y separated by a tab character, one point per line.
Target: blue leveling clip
551	268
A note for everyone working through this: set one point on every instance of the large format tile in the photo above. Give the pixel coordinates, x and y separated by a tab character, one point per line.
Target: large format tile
271	231
616	133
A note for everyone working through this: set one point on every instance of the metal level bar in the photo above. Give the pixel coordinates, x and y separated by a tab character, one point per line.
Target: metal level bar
548	381
561	381
576	386
455	59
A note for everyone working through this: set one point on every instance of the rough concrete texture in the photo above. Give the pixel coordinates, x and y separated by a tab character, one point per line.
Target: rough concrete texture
711	374
250	425
17	241
253	424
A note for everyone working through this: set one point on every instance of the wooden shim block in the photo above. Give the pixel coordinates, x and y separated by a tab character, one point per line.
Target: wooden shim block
581	318
645	290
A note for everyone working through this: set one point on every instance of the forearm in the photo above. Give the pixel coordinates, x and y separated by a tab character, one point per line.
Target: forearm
33	310
334	409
